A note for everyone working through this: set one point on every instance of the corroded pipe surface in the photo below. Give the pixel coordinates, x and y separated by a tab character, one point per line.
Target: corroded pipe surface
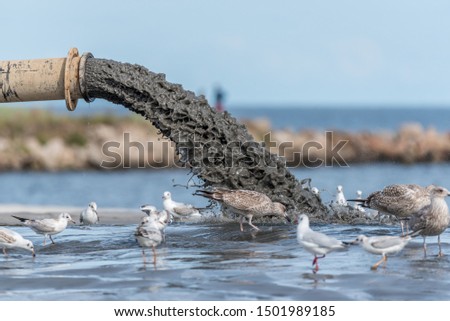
43	79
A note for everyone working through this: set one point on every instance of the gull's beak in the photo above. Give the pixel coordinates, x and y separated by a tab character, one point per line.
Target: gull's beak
354	242
287	218
34	254
73	222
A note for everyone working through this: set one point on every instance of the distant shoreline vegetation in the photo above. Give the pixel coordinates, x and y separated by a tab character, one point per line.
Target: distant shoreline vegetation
34	139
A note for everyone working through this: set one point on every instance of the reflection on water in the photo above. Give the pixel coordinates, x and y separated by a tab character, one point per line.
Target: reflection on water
218	262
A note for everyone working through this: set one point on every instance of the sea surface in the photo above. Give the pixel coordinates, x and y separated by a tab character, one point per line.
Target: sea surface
212	259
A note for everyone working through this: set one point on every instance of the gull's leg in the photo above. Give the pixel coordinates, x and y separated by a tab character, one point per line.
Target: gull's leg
143	256
53	242
154	256
241	220
45	236
4	251
440	254
250	223
375	266
403	231
316	262
424	247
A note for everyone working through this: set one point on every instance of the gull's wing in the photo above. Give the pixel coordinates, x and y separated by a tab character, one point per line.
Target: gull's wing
321	240
385	242
45	225
8	237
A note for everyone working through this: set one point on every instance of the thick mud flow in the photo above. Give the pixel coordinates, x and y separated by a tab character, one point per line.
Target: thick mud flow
218	149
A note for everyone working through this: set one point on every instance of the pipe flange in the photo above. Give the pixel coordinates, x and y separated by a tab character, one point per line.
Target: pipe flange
71	78
83	86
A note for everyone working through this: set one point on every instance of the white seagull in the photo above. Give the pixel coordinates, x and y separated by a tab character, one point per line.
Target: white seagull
148	235
315	242
48	226
160	218
177	209
10	239
340	198
384	245
89	215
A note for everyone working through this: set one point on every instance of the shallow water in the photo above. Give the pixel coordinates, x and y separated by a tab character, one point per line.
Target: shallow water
215	261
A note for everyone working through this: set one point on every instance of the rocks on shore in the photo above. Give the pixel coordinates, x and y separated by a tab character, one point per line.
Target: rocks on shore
40	140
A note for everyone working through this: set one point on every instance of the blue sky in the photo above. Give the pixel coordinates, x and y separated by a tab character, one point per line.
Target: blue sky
261	52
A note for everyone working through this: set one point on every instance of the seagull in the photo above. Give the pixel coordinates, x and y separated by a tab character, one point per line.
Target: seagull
359	197
161	219
246	203
315	191
148	235
48	226
400	200
340	198
10	239
384	245
89	215
177	209
315	242
433	219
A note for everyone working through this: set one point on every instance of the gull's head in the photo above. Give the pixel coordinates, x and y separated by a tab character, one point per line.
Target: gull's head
93	205
359	239
315	190
66	216
303	220
29	246
339	188
359	193
438	191
167	195
149	209
280	210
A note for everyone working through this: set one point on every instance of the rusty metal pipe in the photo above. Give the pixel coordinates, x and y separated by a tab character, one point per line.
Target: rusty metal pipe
45	79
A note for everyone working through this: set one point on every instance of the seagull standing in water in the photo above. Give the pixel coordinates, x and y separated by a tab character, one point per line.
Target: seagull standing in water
10	239
148	235
48	226
160	218
177	209
246	203
315	242
384	245
399	200
89	215
432	219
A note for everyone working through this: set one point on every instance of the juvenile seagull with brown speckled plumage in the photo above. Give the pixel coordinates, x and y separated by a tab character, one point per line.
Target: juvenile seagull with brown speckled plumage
245	203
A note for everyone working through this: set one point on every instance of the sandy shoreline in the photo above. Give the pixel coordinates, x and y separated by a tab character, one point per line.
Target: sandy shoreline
113	216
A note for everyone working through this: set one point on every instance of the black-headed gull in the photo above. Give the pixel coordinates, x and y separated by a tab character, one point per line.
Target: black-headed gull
177	209
89	215
315	242
10	239
384	245
47	226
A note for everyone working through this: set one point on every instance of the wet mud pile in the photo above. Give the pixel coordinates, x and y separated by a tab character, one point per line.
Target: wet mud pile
217	149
